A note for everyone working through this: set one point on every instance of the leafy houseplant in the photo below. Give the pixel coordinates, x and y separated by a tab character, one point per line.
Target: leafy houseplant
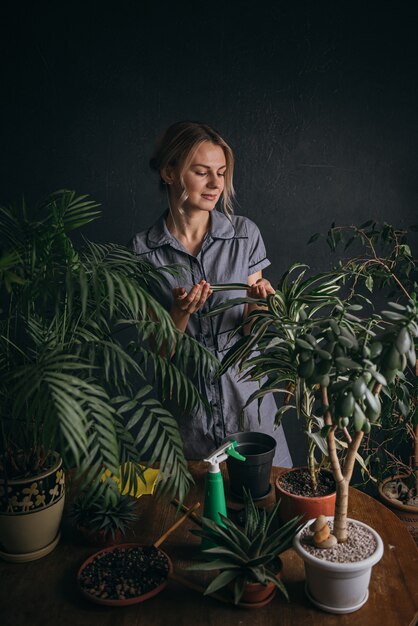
101	521
248	556
383	260
69	380
338	358
266	355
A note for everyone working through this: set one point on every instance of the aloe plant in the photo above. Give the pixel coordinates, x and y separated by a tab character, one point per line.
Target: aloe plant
247	555
69	378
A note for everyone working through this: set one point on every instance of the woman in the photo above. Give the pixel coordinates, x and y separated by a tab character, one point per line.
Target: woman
196	168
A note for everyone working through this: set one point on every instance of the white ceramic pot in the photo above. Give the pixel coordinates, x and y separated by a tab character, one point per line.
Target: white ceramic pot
338	587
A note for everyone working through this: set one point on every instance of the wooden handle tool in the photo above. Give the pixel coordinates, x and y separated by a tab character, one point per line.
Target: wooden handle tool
186	509
176	525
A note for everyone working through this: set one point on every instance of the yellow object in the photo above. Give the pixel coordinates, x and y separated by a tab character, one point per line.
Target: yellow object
138	487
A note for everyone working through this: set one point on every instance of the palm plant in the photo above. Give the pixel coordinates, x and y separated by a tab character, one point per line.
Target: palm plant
69	379
249	555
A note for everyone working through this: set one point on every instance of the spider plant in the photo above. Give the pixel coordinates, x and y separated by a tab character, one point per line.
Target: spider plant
342	361
70	380
266	353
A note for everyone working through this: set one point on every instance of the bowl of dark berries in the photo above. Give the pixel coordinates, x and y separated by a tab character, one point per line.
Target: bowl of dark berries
124	574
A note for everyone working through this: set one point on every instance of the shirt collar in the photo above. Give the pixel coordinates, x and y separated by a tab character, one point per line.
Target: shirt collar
159	235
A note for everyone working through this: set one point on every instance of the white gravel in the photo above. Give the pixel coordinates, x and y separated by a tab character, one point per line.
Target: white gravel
360	545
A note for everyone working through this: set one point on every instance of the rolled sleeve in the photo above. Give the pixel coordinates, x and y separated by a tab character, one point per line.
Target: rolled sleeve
257	260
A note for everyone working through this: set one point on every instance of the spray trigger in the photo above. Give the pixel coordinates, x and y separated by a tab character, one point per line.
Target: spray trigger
232	452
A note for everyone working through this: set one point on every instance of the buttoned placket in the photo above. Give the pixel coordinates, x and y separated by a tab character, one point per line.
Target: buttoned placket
214	389
207	338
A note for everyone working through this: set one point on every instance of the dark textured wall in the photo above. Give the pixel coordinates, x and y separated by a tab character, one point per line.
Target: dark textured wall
318	100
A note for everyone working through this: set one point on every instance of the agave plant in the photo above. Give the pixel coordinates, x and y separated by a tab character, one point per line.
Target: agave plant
266	353
69	378
249	555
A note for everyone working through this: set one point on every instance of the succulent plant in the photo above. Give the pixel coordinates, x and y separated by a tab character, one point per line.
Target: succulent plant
381	262
102	516
249	555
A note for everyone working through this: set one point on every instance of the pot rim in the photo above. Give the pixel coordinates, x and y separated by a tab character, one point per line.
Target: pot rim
268	439
31	477
393	503
327	496
339	567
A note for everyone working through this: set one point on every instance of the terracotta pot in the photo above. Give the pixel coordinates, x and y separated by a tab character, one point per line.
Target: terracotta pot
309	506
256	595
408	514
338	587
122	602
30	514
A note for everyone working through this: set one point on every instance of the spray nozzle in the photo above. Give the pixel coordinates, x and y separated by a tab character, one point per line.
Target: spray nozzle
231	451
222	453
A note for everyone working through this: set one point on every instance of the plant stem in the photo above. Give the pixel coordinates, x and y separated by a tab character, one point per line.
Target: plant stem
341	505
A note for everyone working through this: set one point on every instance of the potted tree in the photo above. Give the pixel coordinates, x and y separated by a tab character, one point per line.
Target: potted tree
350	402
74	392
382	262
247	560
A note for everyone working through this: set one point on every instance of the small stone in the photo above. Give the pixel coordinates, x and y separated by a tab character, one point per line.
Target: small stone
328	543
318	523
322	534
413	501
391	490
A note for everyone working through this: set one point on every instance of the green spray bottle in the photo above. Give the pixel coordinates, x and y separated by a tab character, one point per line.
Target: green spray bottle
214	485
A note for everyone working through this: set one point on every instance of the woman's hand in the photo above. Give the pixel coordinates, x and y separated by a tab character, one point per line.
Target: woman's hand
260	289
184	304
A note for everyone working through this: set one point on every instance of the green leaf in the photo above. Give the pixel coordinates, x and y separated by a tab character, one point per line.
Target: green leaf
369	283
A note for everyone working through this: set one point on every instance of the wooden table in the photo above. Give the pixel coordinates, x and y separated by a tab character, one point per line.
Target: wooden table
44	592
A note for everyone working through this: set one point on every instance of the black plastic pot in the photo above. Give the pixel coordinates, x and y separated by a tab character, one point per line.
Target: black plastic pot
254	473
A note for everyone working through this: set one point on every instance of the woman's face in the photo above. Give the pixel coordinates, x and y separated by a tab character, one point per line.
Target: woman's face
204	178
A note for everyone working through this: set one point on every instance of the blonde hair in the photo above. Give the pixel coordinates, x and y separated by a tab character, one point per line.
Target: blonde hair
176	148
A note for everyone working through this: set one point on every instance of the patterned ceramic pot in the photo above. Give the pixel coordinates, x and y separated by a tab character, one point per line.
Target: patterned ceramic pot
30	514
